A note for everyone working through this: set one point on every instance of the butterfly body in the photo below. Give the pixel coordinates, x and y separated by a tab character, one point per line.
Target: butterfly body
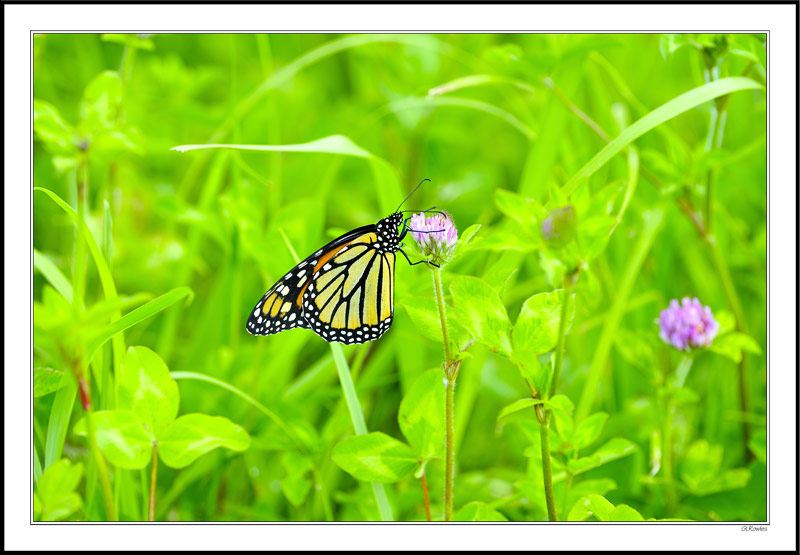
344	292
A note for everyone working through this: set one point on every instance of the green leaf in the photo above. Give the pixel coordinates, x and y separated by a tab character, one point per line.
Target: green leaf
589	430
523	210
421	415
464	243
726	321
146	388
295	486
193	435
333	144
478	308
625	513
411	102
517	406
56	488
700	470
562	408
477	511
602	509
670	43
532	370
591	505
732	344
375	457
388	186
612	450
424	313
46	381
100	103
52	274
60	415
121	437
49	127
758	445
136	316
536	330
678	105
242	395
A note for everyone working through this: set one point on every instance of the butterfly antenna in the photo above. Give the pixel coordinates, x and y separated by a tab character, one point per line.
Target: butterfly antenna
411	193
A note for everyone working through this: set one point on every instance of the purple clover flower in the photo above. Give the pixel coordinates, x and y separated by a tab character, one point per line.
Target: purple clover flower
687	325
439	245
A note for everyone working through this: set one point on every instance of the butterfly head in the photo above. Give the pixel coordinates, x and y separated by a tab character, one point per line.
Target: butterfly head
388	232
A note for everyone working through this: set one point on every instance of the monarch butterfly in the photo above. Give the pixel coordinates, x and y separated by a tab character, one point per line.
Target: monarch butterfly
343	292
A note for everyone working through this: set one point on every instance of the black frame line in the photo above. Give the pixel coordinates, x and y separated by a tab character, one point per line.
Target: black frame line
33	32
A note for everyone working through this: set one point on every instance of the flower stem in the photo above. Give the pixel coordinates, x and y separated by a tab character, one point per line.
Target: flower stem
450	467
562	334
547	473
437	287
151	511
544	416
450	374
427	501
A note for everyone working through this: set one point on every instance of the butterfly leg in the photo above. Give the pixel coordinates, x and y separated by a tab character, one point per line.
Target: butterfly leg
418	262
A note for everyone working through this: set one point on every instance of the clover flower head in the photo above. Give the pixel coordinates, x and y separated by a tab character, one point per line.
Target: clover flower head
436	235
687	325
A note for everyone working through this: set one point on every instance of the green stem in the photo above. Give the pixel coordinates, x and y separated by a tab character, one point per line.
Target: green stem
450	374
152	504
105	482
79	264
547	473
438	289
425	494
562	336
450	467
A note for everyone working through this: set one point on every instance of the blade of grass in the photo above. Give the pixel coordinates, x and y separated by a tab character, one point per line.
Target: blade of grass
106	279
386	179
360	425
37	465
285	74
354	407
676	106
136	316
479	81
438	101
183	375
60	415
52	274
652	223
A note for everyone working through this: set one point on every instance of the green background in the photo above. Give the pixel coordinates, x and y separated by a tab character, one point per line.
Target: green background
521	113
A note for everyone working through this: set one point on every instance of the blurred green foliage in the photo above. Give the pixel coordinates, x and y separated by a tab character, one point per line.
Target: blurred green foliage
128	228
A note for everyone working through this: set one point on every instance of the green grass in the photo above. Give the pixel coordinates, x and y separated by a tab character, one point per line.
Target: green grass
326	133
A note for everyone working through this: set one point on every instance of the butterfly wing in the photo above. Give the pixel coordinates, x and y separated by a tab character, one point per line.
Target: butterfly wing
351	296
281	306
